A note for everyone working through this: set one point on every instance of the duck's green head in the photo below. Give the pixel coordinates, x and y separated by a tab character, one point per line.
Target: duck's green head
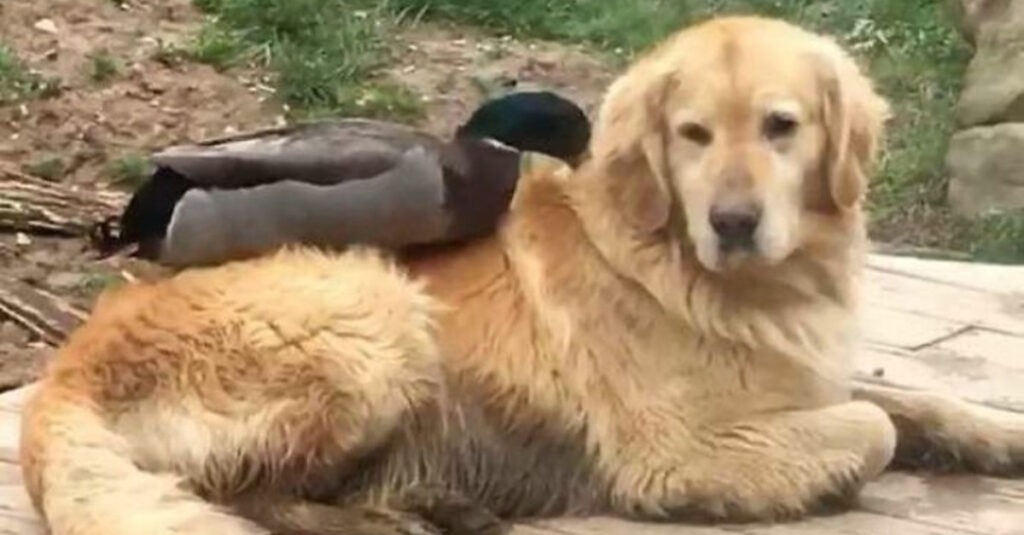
538	121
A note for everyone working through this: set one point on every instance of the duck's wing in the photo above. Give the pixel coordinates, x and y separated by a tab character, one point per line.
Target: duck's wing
402	206
323	152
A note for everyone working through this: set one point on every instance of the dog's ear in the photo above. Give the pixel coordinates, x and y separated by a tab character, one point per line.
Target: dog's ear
854	117
628	148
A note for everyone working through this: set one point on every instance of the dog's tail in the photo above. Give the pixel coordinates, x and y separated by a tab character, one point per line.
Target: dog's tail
83	480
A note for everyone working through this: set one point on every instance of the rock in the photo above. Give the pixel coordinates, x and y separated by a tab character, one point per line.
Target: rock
63	280
994	85
46	25
986	166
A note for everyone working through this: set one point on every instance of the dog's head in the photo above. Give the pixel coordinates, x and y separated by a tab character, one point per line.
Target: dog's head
739	135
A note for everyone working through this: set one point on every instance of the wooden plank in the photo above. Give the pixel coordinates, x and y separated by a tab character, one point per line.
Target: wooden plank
944	370
14	400
968	503
905	330
601	525
995	278
15	503
529	529
10	433
18	526
980	346
888	291
852	523
10	474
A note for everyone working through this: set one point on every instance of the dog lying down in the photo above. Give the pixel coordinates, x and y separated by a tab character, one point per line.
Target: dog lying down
664	333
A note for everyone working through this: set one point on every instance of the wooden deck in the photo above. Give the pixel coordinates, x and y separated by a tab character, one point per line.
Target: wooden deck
943	325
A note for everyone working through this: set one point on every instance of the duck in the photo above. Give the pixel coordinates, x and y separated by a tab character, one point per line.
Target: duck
339	182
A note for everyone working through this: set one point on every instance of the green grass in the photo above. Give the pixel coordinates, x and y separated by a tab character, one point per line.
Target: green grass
47	166
218	46
171	55
94	284
128	170
997	237
17	83
324	53
103	66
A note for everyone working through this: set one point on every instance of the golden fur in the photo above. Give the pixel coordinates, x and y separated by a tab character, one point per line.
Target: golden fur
601	354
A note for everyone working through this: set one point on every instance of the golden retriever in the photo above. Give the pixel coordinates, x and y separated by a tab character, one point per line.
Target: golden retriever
665	333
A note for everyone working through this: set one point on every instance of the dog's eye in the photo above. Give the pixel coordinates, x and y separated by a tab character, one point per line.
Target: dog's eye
778	125
695	133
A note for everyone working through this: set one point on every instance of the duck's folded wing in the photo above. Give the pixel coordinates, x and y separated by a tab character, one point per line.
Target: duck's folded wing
402	206
326	152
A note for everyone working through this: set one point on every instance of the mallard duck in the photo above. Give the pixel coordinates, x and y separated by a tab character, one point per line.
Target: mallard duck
340	182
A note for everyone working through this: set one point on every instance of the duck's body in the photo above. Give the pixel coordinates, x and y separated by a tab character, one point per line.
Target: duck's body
340	182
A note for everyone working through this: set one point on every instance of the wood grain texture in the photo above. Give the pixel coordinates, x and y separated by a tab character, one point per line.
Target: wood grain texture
30	204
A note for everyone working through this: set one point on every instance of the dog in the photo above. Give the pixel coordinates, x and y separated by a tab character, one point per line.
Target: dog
664	333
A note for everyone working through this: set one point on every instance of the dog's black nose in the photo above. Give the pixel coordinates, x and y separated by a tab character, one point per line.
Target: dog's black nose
735	226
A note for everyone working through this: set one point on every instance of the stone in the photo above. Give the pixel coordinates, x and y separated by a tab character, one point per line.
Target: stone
63	280
986	167
994	85
46	26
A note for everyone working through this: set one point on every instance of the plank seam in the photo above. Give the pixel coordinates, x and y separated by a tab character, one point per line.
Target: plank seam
948	336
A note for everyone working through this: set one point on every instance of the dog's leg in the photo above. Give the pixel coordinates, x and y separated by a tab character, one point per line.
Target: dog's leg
454	513
285	516
419	510
939	432
779	465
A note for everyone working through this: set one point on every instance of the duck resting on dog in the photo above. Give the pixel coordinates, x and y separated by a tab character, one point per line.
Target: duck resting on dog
335	183
664	333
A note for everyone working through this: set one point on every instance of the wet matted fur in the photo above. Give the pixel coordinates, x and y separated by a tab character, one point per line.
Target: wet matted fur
607	352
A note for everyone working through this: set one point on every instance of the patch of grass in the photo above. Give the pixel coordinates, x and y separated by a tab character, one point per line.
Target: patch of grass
48	166
128	170
217	46
626	24
322	52
376	100
94	284
103	66
170	55
997	237
17	83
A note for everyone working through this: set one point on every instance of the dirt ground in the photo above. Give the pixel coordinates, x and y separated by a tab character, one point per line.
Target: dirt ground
152	102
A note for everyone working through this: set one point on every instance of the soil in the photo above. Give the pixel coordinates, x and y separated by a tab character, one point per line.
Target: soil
151	103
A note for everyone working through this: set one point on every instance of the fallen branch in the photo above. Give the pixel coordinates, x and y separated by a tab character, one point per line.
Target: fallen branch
45	316
30	204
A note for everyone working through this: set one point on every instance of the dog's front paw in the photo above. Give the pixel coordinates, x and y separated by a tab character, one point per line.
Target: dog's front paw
956	435
749	490
451	511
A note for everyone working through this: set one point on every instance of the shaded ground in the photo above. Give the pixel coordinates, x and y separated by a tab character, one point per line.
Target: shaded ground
94	131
